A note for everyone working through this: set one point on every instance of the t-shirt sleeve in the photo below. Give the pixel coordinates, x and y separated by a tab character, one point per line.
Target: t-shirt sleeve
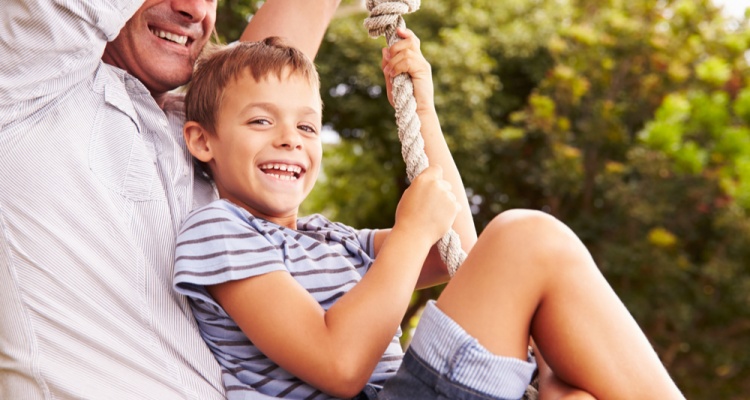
367	241
366	238
218	245
365	244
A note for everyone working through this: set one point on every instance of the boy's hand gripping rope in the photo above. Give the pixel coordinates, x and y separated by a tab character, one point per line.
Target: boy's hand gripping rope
385	17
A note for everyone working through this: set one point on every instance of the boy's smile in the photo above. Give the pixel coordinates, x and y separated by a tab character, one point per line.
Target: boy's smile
282	171
266	151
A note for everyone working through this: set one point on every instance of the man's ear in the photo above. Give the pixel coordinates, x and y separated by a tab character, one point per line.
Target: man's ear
198	141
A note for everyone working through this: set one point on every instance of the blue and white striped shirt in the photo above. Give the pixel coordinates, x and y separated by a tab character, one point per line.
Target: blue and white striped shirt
222	242
94	183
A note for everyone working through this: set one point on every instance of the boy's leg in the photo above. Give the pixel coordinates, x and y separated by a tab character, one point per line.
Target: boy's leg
529	274
445	362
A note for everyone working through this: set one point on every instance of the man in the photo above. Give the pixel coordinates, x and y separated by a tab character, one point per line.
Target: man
94	182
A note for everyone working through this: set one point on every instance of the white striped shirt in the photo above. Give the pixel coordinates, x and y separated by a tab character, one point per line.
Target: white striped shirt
221	242
94	183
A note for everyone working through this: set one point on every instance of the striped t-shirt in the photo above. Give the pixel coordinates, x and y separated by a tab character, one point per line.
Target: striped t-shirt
222	242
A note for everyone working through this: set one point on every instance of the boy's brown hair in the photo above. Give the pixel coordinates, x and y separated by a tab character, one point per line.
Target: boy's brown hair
222	64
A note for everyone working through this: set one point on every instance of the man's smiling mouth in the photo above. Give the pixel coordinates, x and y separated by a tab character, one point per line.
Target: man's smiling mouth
172	37
285	172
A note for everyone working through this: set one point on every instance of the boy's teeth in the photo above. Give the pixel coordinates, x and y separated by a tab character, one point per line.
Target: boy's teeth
282	167
172	37
284	177
293	169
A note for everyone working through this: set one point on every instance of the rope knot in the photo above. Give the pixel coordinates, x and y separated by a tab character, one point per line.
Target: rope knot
385	17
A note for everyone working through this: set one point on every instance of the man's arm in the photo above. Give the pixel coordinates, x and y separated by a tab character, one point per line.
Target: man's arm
47	48
304	27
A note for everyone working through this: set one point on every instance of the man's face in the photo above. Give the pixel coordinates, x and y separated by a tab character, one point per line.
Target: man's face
161	42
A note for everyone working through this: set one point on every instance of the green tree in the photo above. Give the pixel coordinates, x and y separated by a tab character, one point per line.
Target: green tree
644	153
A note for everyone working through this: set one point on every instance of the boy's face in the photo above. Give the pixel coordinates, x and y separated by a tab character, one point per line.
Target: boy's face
266	152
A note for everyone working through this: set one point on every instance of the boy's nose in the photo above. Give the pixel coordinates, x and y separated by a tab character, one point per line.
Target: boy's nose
289	138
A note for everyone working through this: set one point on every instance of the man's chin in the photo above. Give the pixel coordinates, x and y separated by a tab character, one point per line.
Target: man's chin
158	84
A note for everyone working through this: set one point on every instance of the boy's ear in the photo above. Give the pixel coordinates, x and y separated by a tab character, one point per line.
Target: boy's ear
198	141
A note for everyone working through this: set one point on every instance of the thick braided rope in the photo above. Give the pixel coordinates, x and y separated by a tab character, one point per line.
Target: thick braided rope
385	17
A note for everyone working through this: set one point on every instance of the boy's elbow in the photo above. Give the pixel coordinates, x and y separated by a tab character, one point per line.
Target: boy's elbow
346	381
345	392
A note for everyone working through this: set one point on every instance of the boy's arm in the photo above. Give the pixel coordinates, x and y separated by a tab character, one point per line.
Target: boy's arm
337	350
405	57
434	271
303	23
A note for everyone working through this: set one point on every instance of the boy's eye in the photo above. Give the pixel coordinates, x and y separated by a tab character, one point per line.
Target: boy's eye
308	128
260	121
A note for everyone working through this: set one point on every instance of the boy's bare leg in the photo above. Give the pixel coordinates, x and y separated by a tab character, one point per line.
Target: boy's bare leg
552	388
530	275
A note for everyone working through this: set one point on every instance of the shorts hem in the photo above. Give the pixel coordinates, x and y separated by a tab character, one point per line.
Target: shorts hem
446	348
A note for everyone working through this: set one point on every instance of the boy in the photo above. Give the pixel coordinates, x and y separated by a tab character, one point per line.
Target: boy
307	308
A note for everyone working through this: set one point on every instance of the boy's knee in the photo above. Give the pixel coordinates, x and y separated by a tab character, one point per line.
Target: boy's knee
541	235
523	222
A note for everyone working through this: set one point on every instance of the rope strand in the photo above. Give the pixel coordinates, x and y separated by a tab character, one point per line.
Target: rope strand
385	17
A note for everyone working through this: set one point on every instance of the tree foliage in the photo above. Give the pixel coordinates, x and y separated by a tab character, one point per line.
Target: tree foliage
628	120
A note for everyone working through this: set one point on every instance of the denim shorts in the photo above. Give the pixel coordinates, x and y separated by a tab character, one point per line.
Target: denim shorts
445	362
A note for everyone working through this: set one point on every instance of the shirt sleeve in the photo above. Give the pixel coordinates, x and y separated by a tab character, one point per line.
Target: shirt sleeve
218	244
49	46
365	243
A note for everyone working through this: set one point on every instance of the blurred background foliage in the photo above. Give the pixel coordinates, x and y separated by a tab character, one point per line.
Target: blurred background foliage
627	120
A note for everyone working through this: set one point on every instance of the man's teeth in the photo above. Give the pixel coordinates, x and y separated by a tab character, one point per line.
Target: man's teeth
292	171
172	37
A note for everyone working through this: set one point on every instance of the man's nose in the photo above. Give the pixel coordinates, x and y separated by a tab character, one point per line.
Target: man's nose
193	10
